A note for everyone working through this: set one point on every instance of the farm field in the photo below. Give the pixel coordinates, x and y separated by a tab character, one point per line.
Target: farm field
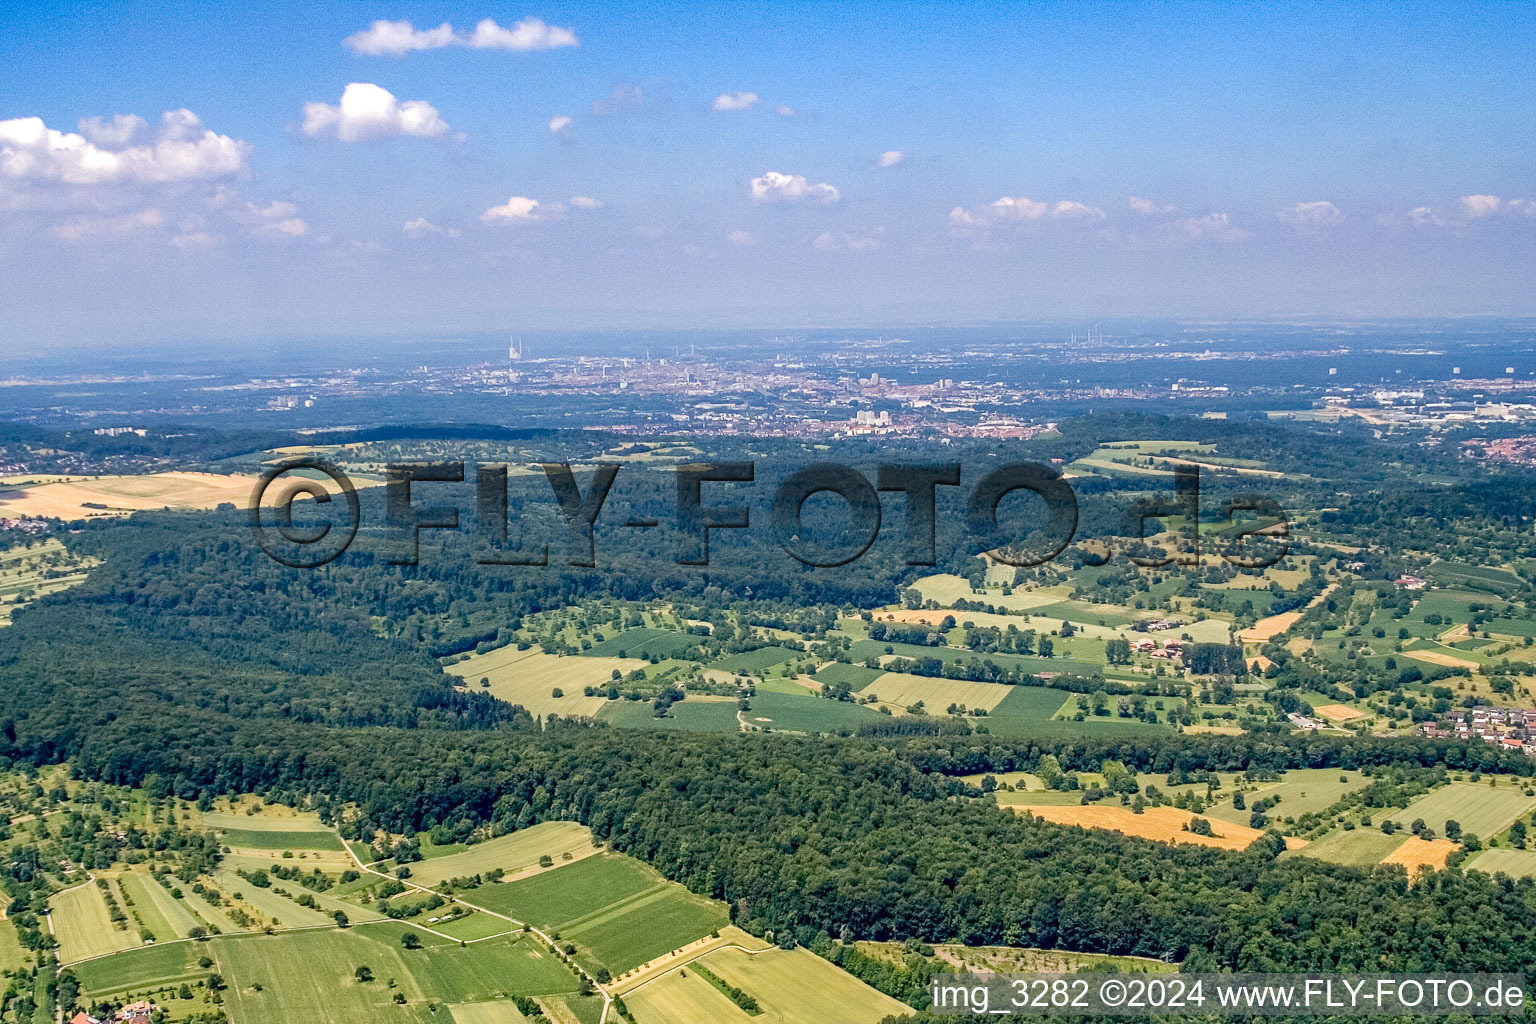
754	662
901	689
121	495
309	976
1021	959
806	714
162	913
515	854
139	969
530	677
945	589
501	1011
619	910
1360	847
1514	863
1165	824
798	987
683	997
691	715
1482	810
1301	791
488	970
641	642
1416	853
83	927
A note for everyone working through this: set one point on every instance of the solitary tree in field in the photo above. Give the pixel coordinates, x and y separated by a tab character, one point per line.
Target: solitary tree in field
410	940
363	973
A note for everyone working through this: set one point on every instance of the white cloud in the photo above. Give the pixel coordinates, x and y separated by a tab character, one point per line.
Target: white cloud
96	228
736	101
1320	213
625	97
528	34
1480	206
827	241
1212	225
1424	216
522	210
978	220
114	134
192	240
278	220
368	112
587	203
421	228
785	111
1066	209
1148	206
182	150
892	157
775	187
397	38
559	124
741	238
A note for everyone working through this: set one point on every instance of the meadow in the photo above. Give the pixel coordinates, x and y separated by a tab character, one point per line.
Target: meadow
1480	809
530	678
514	854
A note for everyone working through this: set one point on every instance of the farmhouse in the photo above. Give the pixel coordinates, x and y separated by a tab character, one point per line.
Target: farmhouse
83	1018
1411	582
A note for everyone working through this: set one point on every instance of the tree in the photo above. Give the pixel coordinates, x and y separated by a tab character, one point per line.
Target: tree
410	940
363	973
341	918
1238	803
1453	830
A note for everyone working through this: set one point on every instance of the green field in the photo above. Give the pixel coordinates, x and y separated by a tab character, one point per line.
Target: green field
642	642
83	928
620	912
568	892
1359	848
273	839
1301	791
1481	809
689	715
499	1012
309	976
511	853
781	711
488	970
856	676
751	662
140	969
1514	863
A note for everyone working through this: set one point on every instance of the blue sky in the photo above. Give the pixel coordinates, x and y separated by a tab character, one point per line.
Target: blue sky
769	164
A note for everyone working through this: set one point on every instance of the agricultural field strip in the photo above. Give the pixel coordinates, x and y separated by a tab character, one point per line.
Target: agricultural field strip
543	935
683	960
612	910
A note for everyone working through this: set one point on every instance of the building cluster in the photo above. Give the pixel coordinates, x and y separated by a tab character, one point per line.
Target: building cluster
1514	728
1519	451
1171	649
141	1012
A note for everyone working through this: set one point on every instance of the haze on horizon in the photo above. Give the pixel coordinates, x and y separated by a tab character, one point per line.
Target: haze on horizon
235	171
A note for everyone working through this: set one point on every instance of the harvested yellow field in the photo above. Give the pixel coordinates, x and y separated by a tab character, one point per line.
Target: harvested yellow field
121	495
530	678
1418	853
1165	824
1269	627
903	690
1441	658
1339	713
